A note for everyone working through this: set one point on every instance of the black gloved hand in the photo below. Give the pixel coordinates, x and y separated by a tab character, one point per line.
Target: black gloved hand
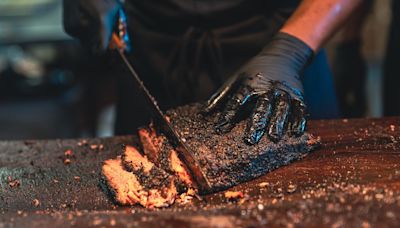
271	83
91	21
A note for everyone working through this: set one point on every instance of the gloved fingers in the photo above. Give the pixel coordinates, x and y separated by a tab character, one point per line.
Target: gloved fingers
229	115
222	94
258	121
109	22
92	21
280	116
298	121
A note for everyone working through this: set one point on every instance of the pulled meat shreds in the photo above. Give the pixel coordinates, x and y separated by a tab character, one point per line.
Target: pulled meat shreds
128	188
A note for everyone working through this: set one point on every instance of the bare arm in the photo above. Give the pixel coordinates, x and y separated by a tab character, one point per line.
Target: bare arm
316	20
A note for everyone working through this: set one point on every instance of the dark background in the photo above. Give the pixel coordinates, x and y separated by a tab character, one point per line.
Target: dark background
51	88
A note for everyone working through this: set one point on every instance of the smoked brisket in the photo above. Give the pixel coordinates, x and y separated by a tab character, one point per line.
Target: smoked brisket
225	159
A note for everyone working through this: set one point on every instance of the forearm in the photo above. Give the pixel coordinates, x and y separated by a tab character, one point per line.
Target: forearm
316	20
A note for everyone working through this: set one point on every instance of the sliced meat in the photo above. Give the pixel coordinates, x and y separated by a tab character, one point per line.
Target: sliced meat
135	180
150	175
159	151
134	161
151	143
180	169
155	147
124	186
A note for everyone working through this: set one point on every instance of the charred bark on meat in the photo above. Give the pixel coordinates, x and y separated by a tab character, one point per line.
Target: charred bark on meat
225	159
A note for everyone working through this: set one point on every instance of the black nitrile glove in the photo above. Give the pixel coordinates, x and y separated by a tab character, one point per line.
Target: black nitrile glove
91	21
270	82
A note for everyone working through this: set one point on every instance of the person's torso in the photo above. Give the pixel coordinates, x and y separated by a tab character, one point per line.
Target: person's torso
203	13
188	48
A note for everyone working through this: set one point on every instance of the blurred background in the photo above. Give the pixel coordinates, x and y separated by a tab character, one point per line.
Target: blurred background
51	88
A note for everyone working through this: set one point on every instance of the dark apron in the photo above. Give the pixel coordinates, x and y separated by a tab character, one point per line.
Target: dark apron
185	50
391	79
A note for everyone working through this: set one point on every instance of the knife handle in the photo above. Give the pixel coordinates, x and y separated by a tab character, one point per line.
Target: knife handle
116	42
120	38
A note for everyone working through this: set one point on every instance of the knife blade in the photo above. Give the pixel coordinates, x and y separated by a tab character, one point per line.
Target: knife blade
164	126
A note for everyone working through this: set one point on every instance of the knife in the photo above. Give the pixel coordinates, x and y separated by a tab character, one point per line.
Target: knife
120	42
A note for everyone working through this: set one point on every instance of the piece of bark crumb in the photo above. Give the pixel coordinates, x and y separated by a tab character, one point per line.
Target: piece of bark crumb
35	202
233	195
187	196
13	183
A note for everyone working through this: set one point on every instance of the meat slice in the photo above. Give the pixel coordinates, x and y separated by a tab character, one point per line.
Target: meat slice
151	143
135	162
133	179
155	147
123	185
180	169
160	152
150	175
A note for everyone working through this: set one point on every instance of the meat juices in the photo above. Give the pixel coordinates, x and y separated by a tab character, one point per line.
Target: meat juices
156	177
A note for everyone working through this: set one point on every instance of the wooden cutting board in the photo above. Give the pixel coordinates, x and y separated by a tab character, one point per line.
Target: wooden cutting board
353	179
